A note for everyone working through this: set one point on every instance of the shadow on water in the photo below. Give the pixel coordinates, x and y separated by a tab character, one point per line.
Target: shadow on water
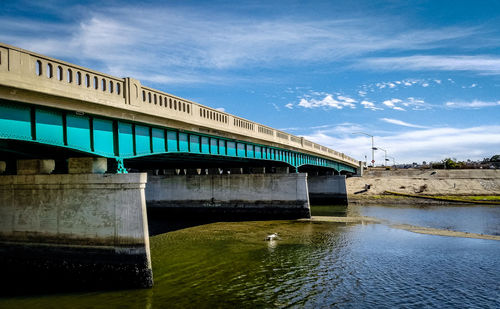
329	210
164	220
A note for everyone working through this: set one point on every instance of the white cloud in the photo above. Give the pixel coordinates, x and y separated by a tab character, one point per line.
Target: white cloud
411	102
483	64
472	104
401	123
418	145
391	103
370	105
220	109
289	105
328	101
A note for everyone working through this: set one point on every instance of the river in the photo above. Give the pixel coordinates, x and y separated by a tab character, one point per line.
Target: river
315	264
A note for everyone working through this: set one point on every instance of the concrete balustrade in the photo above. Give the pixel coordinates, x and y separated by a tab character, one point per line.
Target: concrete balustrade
71	87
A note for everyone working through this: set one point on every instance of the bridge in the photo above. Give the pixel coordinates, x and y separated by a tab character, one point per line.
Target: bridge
76	144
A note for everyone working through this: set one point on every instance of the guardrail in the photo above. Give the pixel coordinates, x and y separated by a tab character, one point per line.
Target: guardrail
27	70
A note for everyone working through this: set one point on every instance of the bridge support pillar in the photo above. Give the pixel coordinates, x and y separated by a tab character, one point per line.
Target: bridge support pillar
215	171
235	171
258	170
282	170
327	190
32	167
87	165
83	230
3	167
260	196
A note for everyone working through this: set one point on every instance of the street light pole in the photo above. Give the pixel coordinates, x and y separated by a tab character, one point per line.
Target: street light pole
385	155
373	148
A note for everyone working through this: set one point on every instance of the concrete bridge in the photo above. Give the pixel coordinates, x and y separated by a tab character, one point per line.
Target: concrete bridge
69	136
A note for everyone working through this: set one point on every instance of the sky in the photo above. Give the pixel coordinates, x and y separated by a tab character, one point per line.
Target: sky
421	77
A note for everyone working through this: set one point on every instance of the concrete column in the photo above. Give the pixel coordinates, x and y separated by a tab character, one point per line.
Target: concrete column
87	165
359	170
235	195
236	171
3	167
327	190
193	171
258	170
282	170
32	167
215	171
81	229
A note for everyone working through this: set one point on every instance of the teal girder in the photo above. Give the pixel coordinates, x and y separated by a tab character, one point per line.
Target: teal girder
120	139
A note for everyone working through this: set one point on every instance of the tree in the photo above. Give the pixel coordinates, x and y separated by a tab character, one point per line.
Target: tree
449	163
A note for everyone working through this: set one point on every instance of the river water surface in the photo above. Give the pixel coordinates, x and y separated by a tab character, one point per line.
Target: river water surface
315	264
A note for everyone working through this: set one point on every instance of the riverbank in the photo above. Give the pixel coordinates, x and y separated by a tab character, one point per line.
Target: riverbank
442	186
406	227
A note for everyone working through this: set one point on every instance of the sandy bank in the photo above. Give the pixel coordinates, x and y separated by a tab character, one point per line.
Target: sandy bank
406	227
425	182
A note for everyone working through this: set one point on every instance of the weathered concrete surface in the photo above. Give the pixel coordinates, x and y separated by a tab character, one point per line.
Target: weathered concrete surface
254	195
87	165
428	182
32	167
87	227
327	190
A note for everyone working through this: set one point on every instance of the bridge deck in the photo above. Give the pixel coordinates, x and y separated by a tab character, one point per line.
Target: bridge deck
71	106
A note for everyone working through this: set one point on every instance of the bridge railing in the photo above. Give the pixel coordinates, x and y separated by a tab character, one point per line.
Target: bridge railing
30	71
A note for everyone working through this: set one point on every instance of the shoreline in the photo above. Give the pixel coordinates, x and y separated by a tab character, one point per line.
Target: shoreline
407	199
405	227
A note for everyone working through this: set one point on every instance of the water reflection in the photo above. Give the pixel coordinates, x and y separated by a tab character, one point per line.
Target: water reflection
313	264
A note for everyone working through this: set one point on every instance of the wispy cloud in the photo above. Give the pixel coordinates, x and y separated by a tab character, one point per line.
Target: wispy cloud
401	123
483	64
183	43
472	104
414	146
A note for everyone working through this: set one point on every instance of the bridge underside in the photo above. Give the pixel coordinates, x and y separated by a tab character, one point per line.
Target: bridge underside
28	131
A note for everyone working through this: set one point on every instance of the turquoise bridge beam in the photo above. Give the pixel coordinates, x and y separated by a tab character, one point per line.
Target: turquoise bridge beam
122	140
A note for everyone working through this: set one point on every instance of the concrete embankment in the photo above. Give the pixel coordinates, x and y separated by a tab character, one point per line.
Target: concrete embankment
372	186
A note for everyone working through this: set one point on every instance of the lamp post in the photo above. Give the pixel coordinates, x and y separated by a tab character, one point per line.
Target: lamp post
373	148
385	155
393	161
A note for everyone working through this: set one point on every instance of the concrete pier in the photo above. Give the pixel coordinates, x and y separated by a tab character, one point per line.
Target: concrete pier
327	190
88	230
244	195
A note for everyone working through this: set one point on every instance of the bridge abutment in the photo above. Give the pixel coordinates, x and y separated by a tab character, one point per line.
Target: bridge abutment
87	230
231	195
327	189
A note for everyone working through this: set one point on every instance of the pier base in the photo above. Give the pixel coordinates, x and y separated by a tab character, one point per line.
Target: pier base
327	190
247	196
82	230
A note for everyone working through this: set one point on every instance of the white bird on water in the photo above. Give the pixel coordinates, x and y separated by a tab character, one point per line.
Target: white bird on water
273	236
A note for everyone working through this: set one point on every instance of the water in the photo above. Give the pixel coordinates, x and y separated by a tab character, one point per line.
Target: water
320	264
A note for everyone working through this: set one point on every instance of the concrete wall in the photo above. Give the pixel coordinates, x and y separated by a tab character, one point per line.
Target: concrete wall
261	195
327	190
431	182
87	227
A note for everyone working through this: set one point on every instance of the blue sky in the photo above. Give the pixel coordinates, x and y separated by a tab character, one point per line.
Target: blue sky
423	77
